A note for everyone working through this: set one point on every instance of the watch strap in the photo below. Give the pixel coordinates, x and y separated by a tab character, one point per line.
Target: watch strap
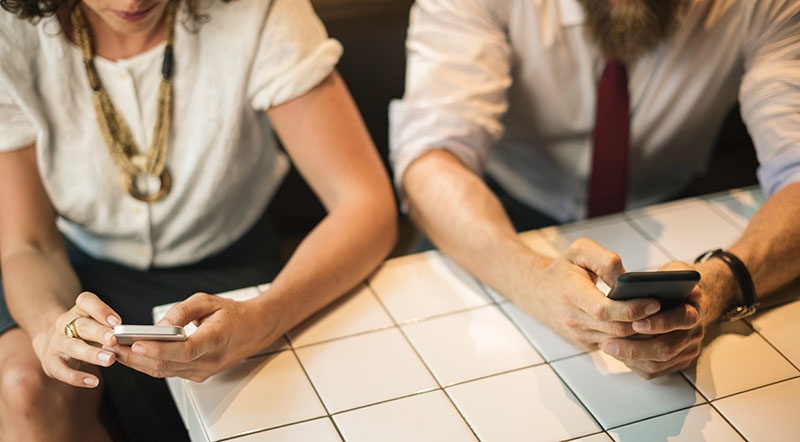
749	303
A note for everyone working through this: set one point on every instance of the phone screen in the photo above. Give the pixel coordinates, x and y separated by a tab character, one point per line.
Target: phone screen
670	287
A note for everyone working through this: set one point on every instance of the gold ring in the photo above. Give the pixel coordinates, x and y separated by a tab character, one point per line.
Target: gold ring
70	330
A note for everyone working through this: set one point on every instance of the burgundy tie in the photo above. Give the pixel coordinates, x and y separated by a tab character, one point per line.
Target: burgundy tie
608	179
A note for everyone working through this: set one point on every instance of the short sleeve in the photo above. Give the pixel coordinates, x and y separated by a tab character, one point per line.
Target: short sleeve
294	54
15	129
770	92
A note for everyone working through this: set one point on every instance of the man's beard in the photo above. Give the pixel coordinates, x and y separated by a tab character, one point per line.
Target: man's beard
630	28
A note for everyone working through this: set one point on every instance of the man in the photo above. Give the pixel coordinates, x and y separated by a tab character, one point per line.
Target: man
498	126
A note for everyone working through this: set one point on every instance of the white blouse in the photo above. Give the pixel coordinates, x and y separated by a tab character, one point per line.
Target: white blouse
509	87
223	157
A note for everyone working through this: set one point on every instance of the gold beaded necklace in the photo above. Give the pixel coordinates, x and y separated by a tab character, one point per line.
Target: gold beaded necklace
134	167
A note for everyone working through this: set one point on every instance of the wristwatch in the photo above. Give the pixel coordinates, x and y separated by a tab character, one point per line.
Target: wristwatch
749	303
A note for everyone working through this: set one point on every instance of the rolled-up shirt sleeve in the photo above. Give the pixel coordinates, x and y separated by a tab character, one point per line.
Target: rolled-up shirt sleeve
15	129
457	77
770	92
294	54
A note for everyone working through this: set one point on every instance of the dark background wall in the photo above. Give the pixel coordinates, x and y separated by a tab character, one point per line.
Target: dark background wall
373	34
373	66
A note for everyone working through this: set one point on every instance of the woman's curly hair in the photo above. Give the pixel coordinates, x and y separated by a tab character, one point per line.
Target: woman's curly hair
34	10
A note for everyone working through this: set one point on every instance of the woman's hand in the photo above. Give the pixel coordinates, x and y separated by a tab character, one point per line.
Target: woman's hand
64	357
227	332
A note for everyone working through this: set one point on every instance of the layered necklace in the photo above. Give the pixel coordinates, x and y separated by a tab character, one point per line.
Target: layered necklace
138	172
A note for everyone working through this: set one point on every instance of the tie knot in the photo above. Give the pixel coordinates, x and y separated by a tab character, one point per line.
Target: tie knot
615	65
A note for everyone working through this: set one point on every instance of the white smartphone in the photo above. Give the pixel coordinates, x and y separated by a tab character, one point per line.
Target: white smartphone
128	334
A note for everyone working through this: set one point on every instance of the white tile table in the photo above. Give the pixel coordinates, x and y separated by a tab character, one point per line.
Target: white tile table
424	352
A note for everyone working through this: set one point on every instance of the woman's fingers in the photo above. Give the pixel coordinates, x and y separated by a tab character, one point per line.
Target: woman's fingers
69	367
89	330
78	348
92	306
61	370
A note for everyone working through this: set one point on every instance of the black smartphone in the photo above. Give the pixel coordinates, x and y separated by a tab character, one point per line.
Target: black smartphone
670	287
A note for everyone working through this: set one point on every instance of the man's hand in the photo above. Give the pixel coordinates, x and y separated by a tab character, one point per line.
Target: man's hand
568	300
665	342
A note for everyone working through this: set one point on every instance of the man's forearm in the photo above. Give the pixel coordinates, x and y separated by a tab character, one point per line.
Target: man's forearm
770	246
456	210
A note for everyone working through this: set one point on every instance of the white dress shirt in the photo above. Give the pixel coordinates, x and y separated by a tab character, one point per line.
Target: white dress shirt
222	155
509	87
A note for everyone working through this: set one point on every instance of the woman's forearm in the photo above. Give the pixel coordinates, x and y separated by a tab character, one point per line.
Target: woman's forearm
39	286
338	254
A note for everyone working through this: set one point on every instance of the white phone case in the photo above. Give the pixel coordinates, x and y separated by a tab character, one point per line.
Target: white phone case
128	334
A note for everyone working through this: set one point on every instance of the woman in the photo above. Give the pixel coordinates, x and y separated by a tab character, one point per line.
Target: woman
136	163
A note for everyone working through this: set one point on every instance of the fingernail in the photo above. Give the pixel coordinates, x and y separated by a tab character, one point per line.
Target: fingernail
611	349
92	382
107	337
112	320
651	308
642	326
138	349
104	356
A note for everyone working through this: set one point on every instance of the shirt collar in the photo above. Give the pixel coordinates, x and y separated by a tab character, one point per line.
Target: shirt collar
570	13
554	16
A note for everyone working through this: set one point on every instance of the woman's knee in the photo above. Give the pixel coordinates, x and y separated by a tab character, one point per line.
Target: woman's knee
33	403
23	385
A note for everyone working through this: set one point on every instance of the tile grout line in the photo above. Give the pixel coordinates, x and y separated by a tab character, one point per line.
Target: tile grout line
752	327
553	369
578	398
264	430
442	315
545	362
425	364
327	415
630	221
656	416
493	302
386	401
579	438
310	381
343	337
726	218
715	208
749	390
652	241
725	418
